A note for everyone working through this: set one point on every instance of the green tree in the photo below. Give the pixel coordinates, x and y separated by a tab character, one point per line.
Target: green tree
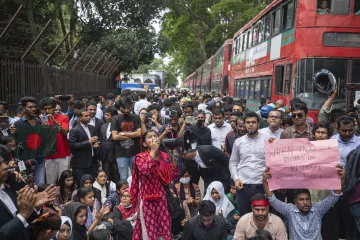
197	28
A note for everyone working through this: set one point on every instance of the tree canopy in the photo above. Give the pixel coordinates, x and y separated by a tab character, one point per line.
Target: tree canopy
192	31
196	29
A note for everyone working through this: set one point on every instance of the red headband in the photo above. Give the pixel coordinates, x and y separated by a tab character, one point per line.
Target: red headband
260	203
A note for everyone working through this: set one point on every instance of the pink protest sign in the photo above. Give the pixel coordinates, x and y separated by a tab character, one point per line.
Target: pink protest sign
299	163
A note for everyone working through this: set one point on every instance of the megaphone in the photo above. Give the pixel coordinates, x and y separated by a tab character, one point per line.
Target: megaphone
325	81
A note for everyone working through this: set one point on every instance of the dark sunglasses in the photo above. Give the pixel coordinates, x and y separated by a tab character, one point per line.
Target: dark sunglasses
299	115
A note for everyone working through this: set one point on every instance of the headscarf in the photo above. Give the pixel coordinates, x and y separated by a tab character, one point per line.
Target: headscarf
65	219
85	178
97	192
223	204
79	231
128	211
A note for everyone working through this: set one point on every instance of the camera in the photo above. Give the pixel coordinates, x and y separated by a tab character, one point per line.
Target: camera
64	98
148	115
187	141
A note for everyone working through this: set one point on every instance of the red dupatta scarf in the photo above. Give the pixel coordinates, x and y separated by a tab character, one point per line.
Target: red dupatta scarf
164	171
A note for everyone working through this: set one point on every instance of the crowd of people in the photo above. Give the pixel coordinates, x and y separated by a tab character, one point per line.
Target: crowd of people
129	166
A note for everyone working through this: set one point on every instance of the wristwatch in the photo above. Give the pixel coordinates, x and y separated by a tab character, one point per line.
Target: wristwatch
122	134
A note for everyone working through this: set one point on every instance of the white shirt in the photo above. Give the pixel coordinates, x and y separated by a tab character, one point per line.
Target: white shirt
142	103
267	131
199	161
5	198
99	113
87	130
5	132
108	132
218	135
202	106
247	161
92	121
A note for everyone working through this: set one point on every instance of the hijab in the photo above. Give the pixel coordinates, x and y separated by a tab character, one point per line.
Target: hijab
85	178
128	211
65	219
78	231
223	204
97	192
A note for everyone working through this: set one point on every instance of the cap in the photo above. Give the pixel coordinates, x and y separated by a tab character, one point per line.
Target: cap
265	110
211	103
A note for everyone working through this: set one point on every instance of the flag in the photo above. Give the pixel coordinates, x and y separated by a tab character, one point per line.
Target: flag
36	141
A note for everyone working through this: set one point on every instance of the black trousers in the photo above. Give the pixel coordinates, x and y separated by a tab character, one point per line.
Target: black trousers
112	171
80	172
244	195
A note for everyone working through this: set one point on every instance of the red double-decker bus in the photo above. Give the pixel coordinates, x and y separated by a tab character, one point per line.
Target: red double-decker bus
291	45
207	75
198	80
221	68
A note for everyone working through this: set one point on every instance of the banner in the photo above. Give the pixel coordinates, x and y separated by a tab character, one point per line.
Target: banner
36	141
299	163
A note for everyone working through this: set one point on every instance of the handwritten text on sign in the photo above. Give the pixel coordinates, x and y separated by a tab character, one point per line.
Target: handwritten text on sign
299	163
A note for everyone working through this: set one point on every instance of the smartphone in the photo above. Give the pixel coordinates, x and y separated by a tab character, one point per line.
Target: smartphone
64	98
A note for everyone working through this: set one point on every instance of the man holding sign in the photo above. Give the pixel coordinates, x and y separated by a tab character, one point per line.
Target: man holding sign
304	218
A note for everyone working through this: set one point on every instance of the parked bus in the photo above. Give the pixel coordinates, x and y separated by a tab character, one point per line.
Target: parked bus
198	80
290	46
207	75
221	68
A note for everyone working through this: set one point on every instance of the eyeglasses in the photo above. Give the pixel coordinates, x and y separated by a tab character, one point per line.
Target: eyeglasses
299	115
276	117
125	196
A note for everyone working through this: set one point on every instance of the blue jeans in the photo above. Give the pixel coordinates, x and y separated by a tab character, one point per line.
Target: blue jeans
124	163
39	175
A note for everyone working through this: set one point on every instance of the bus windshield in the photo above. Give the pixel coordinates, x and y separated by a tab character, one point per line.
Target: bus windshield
304	84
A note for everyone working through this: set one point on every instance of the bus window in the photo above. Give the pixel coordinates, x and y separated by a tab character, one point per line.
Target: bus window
337	7
288	16
261	30
267	27
251	90
355	75
257	90
357	7
304	85
276	22
242	86
230	51
288	79
269	88
279	79
264	88
255	34
250	38
246	90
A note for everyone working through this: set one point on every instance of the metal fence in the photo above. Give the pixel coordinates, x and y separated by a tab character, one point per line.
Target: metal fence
20	79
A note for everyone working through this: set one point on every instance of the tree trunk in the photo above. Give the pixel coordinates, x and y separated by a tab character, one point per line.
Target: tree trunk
34	32
62	23
73	21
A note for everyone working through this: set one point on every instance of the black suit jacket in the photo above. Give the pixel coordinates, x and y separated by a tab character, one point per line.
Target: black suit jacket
8	131
217	164
80	146
98	124
10	227
107	149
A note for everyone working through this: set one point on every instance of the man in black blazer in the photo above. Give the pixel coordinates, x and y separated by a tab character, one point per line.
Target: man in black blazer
213	165
83	143
91	106
107	149
17	208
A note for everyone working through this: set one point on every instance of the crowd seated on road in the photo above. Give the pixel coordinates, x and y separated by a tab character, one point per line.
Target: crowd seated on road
169	165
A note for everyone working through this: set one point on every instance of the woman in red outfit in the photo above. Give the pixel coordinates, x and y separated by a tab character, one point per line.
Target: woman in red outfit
153	171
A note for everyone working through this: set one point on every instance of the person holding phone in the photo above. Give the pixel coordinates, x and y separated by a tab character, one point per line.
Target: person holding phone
58	162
